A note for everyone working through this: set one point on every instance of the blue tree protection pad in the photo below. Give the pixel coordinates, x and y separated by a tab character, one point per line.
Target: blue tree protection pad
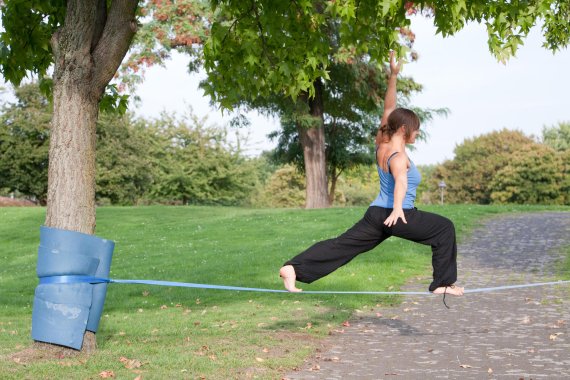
63	312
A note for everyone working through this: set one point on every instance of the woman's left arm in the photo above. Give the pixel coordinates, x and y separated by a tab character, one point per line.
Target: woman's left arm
399	169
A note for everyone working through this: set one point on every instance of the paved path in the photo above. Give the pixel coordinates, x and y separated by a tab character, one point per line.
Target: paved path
514	334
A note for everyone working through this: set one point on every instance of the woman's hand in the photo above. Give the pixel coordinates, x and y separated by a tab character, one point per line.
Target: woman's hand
394	67
396	214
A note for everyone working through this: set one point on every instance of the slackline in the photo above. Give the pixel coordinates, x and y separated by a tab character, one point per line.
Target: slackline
73	279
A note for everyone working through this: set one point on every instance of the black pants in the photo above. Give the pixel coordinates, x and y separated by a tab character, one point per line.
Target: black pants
423	227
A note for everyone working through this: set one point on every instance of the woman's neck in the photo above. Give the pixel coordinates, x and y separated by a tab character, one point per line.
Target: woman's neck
398	143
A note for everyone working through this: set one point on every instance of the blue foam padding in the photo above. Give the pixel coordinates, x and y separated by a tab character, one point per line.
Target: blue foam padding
63	312
60	313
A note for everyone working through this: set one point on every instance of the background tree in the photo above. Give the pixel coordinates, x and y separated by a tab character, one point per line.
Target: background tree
501	167
200	166
476	161
532	176
558	138
128	156
24	143
166	160
287	49
284	188
260	48
352	101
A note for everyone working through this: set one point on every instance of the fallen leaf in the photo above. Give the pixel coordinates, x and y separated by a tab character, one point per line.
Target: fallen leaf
316	367
266	350
163	307
145	293
526	320
346	324
139	377
334	359
106	374
309	325
490	371
554	336
395	317
465	366
130	363
378	315
260	360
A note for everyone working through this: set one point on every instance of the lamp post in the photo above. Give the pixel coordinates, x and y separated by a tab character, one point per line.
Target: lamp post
442	186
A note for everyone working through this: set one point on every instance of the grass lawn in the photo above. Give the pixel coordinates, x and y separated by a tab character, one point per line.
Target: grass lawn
164	332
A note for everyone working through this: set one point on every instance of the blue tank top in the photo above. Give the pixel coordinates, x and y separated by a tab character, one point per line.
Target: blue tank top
385	197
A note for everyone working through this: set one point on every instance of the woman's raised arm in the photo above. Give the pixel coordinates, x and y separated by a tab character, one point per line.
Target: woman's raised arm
390	98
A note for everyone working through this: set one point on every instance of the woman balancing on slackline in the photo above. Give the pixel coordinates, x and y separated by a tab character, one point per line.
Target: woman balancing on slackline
391	214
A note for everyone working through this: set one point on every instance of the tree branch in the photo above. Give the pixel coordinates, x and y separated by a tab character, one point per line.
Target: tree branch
114	42
100	20
260	28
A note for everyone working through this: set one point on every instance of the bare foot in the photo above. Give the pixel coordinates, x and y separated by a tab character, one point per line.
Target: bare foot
287	273
451	289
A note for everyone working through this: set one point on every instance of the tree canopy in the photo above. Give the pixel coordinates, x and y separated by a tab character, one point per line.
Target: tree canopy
261	47
503	167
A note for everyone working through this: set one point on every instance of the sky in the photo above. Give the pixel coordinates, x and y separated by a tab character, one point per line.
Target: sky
458	73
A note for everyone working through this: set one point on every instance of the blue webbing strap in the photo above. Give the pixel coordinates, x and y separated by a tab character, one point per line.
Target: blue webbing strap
97	280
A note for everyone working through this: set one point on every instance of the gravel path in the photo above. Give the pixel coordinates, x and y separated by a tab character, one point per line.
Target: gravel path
511	334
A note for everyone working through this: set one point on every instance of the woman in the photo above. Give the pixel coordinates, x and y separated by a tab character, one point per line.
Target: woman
391	214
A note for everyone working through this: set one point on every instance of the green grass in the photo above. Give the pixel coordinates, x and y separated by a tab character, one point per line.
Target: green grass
189	333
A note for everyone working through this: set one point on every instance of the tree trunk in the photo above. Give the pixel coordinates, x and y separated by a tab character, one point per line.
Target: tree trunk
313	142
71	175
87	50
334	178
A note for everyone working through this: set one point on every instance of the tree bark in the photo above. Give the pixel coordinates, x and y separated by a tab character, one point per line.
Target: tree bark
313	142
87	50
71	173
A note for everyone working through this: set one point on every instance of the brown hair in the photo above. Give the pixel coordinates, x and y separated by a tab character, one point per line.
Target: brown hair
398	118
